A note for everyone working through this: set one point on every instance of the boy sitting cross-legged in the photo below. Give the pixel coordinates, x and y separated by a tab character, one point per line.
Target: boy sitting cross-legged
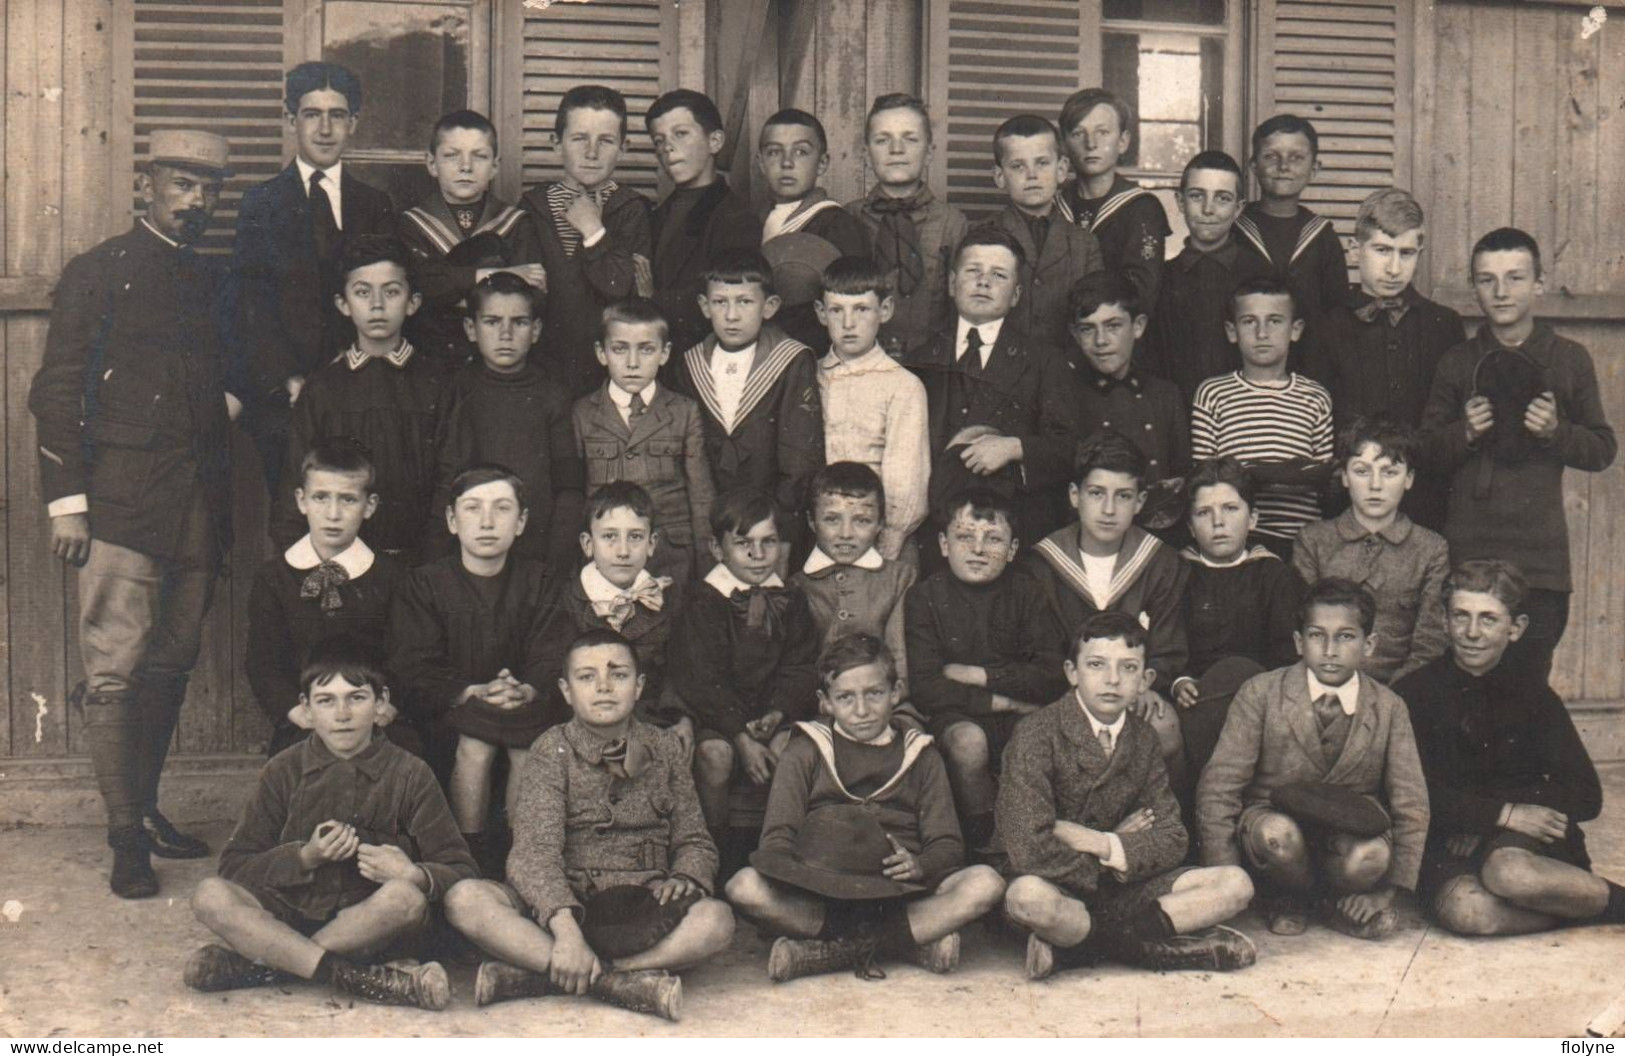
1094	832
327	584
742	655
339	854
854	782
983	650
851	587
1315	784
1509	779
1402	564
1104	562
611	871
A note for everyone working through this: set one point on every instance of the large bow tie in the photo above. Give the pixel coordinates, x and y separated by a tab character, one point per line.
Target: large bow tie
1394	307
619	609
897	242
763	607
324	582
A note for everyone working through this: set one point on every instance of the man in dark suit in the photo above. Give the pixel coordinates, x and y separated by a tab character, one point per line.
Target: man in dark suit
1003	407
290	235
133	423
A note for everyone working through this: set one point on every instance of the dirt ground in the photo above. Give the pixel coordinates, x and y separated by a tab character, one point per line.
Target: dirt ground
77	962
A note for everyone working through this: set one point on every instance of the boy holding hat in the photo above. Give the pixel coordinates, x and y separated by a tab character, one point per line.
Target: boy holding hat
854	783
133	419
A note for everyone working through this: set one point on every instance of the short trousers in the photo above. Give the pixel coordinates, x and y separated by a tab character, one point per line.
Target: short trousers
287	913
1439	866
1116	903
999	728
608	934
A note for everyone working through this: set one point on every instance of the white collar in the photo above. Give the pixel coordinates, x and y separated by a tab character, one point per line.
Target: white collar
1348	694
157	233
1096	725
989	332
786	208
817	561
886	737
334	173
874	359
397	359
748	350
355	559
727	584
623	399
599	589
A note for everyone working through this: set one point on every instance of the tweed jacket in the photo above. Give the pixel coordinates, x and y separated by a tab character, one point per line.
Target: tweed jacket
663	452
286	322
1055	770
1070	252
578	828
1270	739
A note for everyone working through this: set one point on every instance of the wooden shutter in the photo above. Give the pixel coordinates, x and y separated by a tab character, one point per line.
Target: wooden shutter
628	45
1346	66
989	60
217	66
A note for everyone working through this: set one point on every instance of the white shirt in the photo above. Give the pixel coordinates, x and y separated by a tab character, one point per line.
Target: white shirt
728	373
355	559
332	183
1117	859
1097	571
989	333
1348	694
817	561
727	584
623	400
773	226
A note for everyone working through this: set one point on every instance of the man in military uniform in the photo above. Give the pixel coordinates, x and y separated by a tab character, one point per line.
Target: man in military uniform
133	424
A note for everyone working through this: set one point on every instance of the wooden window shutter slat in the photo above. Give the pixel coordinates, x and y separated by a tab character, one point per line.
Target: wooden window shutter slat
1346	66
626	45
218	67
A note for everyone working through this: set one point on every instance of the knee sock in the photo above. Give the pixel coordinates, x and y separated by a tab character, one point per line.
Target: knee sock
160	711
1614	912
324	968
113	733
896	937
1152	924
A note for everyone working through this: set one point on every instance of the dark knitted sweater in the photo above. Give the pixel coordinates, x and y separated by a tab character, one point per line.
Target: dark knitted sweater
1248	609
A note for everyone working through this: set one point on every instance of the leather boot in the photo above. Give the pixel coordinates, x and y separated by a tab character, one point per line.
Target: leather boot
651	991
132	875
1216	949
501	981
794	958
213	968
1381	925
423	986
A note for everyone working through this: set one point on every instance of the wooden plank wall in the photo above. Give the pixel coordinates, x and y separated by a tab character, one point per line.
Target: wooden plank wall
1528	128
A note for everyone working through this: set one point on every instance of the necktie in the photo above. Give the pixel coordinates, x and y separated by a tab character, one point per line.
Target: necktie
1106	744
637	407
614	757
971	361
1328	709
763	607
321	215
324	582
1038	227
897	242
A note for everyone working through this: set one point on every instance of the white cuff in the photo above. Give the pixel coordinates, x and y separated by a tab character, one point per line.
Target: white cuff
1174	689
594	238
1116	861
68	504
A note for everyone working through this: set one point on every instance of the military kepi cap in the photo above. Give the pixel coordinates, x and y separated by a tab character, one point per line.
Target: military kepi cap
192	149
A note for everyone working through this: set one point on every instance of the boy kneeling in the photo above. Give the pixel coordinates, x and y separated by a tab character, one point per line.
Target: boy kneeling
854	782
301	894
1093	830
586	882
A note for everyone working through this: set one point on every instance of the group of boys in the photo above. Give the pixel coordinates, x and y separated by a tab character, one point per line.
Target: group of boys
667	581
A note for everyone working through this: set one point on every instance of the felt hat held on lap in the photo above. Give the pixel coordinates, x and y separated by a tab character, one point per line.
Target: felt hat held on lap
839	853
1332	807
626	919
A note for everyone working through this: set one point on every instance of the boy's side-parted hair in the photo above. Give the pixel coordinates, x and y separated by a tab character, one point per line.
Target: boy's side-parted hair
990	235
800	118
1394	439
982	503
472	120
363	250
1022	126
1225	469
740	510
1392	210
1501	579
340	454
853	276
632	311
1503	239
1100	288
596	636
1217	160
897	101
851	480
1262	285
1080	104
343	656
1111	451
1105	626
589	97
740	267
504	282
705	112
310	77
1291	124
619	495
1335	592
854	650
486	473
